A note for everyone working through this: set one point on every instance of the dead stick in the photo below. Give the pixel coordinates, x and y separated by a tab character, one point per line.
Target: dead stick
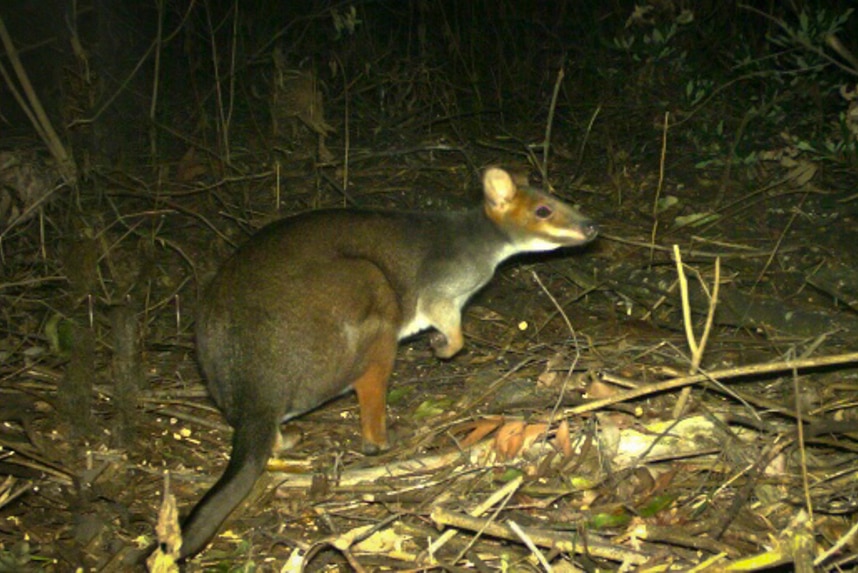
786	365
505	493
540	537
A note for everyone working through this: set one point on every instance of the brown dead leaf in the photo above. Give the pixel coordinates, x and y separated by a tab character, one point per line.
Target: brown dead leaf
598	390
533	433
509	440
479	429
550	375
548	379
562	439
513	438
663	480
802	172
189	167
485	313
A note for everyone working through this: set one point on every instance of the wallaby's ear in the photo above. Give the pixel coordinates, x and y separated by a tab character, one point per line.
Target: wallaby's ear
498	187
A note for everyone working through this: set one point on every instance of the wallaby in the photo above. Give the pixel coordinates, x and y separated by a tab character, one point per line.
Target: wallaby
314	305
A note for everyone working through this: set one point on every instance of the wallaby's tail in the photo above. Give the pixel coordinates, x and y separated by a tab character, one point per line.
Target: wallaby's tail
252	442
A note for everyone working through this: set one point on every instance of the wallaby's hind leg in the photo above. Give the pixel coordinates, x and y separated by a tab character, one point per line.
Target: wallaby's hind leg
371	390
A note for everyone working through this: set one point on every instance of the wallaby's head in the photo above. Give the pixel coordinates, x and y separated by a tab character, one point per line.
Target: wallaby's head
533	220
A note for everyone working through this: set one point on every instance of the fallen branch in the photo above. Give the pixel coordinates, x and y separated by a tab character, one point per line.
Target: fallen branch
594	546
738	372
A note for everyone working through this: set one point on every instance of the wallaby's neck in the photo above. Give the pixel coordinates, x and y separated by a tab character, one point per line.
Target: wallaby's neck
473	238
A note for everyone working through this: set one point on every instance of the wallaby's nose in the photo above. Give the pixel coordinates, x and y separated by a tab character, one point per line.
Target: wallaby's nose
589	229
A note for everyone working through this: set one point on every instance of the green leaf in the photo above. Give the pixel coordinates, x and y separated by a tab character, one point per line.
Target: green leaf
695	219
60	334
606	520
665	202
398	394
510	474
432	408
656	505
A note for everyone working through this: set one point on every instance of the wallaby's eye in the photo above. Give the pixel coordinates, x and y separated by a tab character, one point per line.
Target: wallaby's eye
543	211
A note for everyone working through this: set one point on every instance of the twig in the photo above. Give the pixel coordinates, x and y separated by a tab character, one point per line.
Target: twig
776	249
223	121
798	39
660	185
504	493
686	306
696	348
546	143
9	493
525	538
569	543
750	253
232	77
25	214
346	135
710	315
802	447
399	469
754	369
835	44
156	79
37	462
585	140
845	539
575	345
34	110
